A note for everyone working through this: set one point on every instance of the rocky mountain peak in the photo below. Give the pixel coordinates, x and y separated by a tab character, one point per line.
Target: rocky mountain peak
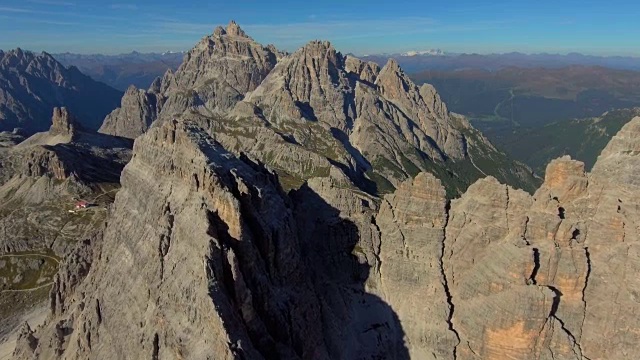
320	49
138	110
392	65
233	29
63	123
392	79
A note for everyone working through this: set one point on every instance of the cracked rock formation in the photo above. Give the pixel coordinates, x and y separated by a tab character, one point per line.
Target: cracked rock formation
137	111
203	255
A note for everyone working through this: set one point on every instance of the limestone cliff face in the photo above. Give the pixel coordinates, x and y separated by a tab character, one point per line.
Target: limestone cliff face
535	276
412	224
137	111
206	255
207	262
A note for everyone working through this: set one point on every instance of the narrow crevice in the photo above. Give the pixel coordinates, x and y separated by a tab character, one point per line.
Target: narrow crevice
445	283
506	210
536	267
524	235
165	239
553	314
156	347
584	289
98	312
561	214
376	252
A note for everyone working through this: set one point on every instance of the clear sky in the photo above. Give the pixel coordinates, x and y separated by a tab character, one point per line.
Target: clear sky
360	26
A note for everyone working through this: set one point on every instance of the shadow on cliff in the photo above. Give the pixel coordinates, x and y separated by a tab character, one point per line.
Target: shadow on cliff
356	324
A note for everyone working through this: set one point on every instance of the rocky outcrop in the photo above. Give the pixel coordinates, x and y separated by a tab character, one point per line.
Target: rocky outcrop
31	85
412	223
220	272
423	106
27	343
63	123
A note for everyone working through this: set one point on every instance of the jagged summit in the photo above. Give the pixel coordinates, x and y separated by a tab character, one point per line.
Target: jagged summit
215	74
392	65
232	29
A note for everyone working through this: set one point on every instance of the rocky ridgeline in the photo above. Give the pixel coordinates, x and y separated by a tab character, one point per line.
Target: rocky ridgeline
316	112
203	255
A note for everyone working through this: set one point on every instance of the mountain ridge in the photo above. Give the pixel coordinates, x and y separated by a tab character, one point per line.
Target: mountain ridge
31	85
317	102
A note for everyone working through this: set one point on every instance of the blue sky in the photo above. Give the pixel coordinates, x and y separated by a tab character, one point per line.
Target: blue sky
358	26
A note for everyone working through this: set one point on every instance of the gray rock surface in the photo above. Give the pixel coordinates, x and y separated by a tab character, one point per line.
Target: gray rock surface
138	110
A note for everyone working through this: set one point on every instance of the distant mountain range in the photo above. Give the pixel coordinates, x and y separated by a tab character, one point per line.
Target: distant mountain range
31	85
121	71
414	61
535	96
140	69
